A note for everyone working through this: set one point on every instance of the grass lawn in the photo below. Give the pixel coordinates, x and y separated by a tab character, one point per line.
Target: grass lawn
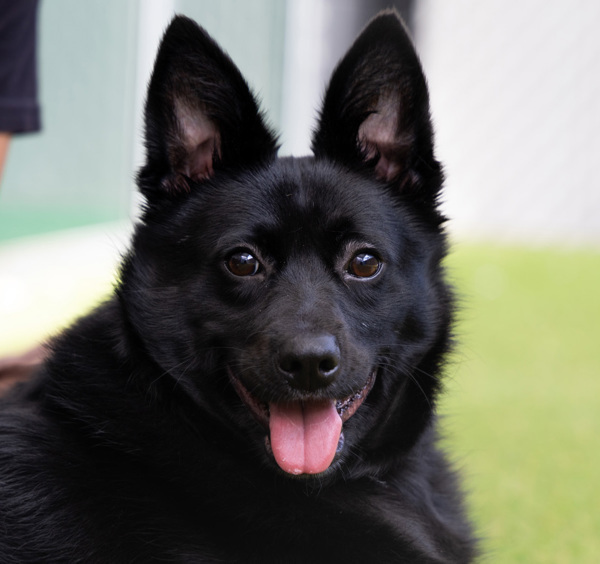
523	403
522	409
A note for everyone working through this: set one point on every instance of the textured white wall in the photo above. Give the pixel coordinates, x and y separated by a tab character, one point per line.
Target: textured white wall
515	89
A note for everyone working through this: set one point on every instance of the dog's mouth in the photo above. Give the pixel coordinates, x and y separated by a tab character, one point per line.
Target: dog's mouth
304	436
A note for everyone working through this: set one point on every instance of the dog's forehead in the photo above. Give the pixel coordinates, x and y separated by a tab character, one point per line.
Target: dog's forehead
298	198
306	192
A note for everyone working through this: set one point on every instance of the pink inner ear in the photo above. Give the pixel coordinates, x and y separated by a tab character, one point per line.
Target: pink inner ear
199	165
201	142
378	134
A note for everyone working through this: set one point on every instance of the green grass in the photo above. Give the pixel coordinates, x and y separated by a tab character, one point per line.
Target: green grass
522	409
523	402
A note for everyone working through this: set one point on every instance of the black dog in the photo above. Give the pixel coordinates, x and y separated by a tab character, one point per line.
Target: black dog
261	388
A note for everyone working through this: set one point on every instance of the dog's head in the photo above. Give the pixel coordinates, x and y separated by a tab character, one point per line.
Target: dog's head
298	302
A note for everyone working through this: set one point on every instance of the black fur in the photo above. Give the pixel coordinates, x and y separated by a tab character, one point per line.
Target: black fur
253	280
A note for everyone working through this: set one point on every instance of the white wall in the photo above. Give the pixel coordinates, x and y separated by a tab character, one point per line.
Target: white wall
515	90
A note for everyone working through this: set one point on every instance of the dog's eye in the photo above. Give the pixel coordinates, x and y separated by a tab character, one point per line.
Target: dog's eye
243	263
364	265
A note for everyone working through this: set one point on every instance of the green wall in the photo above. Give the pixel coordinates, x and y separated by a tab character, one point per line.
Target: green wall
79	169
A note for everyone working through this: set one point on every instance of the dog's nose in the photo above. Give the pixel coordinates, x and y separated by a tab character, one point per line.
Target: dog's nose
310	362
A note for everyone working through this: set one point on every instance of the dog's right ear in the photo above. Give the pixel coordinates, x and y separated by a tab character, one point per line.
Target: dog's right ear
200	115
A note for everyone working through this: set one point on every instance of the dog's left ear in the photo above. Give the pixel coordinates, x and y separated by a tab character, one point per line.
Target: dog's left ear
200	115
375	113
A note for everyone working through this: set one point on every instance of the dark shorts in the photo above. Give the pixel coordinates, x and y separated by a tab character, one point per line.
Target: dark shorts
19	107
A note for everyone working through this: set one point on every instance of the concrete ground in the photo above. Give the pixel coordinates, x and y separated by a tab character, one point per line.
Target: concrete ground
47	281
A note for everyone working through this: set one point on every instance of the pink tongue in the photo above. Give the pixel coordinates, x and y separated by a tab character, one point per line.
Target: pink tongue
304	435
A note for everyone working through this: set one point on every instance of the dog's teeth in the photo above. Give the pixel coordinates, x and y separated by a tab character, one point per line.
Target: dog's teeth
340	444
268	446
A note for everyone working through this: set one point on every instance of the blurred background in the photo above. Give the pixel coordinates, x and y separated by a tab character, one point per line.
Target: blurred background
515	96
